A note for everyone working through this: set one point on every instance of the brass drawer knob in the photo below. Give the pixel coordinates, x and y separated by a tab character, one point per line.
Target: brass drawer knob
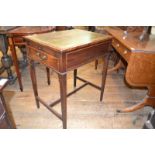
125	52
43	57
38	54
117	45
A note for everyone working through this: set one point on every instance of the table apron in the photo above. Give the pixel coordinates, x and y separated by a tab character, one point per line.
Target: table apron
83	56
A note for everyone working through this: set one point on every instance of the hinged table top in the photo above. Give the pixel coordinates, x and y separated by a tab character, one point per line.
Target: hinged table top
68	40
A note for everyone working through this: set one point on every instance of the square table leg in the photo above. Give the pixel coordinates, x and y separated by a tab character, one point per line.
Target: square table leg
34	81
48	75
15	61
63	96
74	77
104	73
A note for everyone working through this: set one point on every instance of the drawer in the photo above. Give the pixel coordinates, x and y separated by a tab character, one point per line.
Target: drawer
43	57
18	40
43	49
121	49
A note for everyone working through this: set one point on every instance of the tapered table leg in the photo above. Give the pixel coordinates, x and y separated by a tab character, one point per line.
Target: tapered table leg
15	61
104	74
75	75
48	75
63	95
34	81
96	63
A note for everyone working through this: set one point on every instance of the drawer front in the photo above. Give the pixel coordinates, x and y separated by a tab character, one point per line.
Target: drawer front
121	49
18	40
43	58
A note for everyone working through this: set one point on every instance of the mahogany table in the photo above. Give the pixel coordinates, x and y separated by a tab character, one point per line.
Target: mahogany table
15	39
140	57
64	51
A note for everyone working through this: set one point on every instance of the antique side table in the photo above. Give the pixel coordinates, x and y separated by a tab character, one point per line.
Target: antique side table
15	39
140	58
65	51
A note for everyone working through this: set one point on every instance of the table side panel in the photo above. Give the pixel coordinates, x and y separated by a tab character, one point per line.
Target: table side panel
85	55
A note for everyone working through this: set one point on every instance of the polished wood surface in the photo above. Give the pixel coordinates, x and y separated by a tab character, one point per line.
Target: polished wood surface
140	56
27	30
64	41
15	39
5	29
132	42
64	51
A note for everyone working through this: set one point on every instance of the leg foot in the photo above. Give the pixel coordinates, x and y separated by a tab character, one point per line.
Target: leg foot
147	102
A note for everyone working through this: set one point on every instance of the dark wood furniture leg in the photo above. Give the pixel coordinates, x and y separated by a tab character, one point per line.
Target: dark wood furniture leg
15	61
6	59
63	96
34	81
104	74
48	75
96	64
75	75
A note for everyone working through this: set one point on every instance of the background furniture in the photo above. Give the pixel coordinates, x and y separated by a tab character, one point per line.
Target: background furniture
140	58
115	57
150	122
6	59
65	51
6	119
16	40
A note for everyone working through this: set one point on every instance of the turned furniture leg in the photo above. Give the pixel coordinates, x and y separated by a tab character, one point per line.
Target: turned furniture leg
6	59
34	81
96	64
63	96
48	75
75	75
15	61
104	74
149	100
